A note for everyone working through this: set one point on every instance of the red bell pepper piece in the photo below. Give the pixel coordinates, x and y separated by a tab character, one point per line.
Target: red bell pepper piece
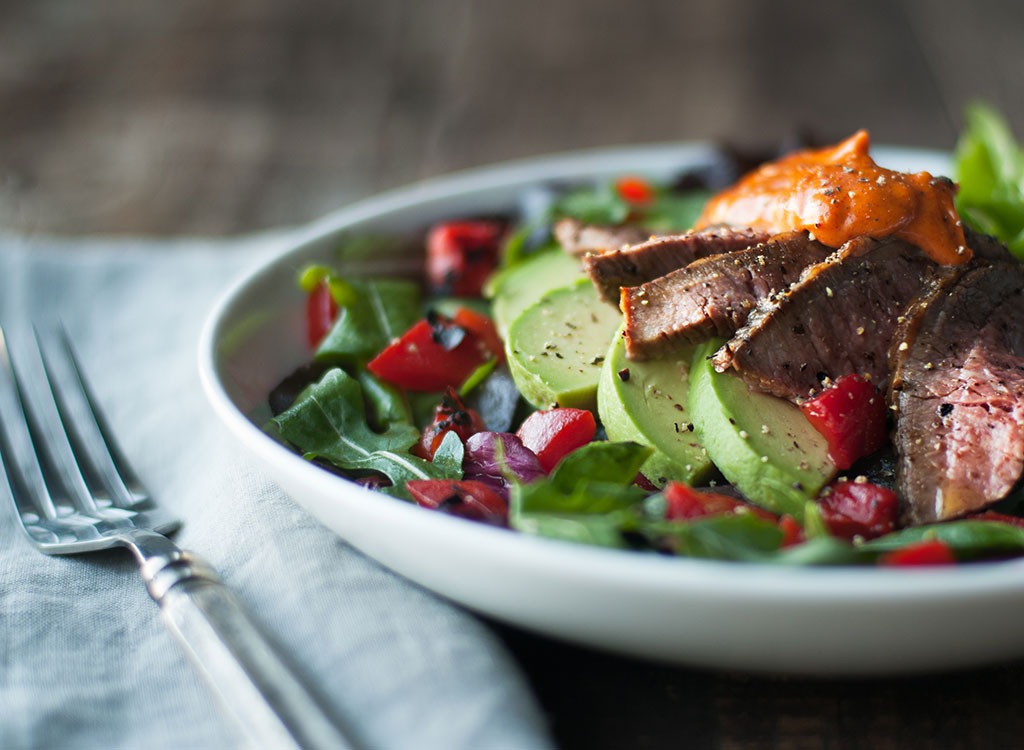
792	531
554	433
483	327
450	415
461	255
687	504
466	498
928	552
433	355
862	509
321	312
851	414
634	190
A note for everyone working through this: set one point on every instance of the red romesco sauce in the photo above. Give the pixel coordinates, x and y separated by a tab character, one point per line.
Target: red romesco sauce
838	193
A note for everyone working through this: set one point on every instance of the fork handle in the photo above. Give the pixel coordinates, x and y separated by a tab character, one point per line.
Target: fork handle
272	706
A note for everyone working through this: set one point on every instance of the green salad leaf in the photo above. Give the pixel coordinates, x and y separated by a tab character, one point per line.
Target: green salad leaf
989	166
329	422
589	497
966	538
372	313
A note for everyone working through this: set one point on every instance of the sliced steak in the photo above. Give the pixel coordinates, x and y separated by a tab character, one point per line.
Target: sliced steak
638	264
986	247
838	319
577	238
712	296
958	387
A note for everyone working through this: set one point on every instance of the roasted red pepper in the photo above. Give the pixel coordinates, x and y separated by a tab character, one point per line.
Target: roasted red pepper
861	509
851	414
554	433
483	327
634	190
466	498
321	312
684	503
431	356
461	255
450	415
928	552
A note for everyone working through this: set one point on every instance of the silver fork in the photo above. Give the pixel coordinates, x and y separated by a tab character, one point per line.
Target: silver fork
75	492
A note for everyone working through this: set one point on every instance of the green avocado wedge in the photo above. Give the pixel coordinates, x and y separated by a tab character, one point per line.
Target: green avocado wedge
762	444
514	289
646	402
557	345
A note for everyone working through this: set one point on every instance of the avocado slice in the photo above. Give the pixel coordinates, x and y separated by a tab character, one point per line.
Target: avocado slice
762	444
557	345
646	402
514	289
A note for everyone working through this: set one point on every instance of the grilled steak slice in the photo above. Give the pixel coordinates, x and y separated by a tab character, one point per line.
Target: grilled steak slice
985	247
638	264
712	296
838	319
959	391
577	238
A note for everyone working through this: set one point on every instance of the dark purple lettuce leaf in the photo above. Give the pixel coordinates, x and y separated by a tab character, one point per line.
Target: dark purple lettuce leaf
490	454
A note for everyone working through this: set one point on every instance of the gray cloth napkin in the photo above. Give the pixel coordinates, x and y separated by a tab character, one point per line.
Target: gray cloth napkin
85	661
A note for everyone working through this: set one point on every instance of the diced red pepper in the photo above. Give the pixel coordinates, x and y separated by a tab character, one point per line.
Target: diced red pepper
321	312
461	255
928	552
861	509
851	414
431	356
554	433
792	531
466	498
687	504
634	190
450	415
483	327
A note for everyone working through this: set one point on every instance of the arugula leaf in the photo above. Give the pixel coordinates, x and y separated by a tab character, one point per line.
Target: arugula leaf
989	166
373	312
387	404
329	422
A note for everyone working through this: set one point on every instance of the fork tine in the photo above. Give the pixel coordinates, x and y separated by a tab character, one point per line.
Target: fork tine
106	469
17	455
44	435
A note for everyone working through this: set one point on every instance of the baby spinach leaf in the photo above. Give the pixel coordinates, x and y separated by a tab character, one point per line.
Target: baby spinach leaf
966	538
329	422
741	536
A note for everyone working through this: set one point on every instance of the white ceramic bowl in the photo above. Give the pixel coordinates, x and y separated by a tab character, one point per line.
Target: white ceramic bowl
714	614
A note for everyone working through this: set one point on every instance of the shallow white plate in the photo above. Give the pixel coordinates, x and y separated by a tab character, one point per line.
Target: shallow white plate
726	615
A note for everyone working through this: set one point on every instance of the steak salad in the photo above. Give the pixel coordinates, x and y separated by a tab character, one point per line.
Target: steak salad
816	361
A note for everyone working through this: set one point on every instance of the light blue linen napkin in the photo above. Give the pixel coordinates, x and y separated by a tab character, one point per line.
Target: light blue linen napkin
85	660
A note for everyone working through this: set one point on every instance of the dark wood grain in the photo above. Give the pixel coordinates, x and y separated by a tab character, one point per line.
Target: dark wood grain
226	117
118	116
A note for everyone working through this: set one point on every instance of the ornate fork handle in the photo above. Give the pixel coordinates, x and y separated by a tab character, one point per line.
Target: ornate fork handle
250	677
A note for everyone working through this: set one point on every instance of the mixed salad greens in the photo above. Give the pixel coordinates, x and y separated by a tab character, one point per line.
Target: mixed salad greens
415	390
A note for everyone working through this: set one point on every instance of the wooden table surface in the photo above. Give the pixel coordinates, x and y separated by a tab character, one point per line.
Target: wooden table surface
195	117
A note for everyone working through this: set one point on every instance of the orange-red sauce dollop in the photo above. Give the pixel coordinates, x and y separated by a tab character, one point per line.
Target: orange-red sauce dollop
838	193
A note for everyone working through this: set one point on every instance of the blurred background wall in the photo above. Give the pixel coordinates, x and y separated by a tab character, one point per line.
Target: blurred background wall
128	116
